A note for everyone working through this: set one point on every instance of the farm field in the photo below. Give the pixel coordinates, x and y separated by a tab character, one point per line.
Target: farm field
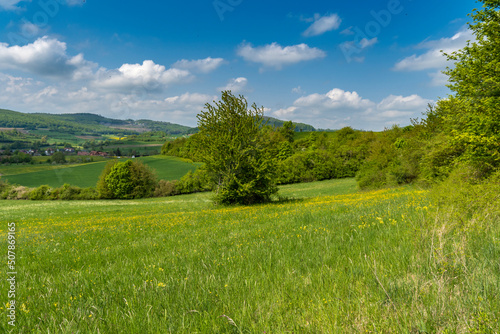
328	259
86	175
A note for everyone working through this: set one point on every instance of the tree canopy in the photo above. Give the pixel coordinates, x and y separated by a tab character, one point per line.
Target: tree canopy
233	152
471	114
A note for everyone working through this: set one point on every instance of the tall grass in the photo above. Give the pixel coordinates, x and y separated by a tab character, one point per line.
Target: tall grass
343	261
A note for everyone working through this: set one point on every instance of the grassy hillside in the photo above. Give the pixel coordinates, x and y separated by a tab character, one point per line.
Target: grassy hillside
340	262
86	175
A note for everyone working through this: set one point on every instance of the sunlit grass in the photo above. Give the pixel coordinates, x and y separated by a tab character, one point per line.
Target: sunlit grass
340	261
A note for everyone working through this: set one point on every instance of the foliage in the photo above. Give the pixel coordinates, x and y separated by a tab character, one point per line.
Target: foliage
233	152
58	158
40	193
126	180
471	115
16	158
165	188
199	181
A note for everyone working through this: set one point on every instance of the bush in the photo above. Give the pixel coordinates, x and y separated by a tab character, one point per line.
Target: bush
40	193
126	180
19	192
69	192
165	188
88	194
198	181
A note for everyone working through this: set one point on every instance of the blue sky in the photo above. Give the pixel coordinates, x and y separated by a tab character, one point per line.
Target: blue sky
365	64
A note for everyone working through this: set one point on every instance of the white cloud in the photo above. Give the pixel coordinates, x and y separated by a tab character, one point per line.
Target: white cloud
338	108
45	57
148	76
75	2
434	58
28	95
399	102
285	113
334	99
236	85
364	43
323	24
201	65
438	79
275	56
347	31
9	4
298	90
30	29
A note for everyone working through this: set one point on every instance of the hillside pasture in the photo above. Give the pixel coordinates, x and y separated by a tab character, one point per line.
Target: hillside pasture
86	175
340	262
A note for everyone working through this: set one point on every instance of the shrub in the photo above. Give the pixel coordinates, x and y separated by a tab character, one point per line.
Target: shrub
126	180
198	181
69	192
88	194
19	192
40	193
165	188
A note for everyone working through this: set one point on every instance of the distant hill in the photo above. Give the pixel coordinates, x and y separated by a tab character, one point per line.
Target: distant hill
89	124
299	127
85	123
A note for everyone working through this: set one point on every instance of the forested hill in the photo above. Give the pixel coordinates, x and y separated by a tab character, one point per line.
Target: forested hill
299	127
85	123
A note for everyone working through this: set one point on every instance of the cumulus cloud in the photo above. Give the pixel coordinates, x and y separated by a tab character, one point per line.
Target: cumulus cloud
201	65
334	99
9	4
438	79
275	56
147	76
400	102
365	43
433	58
236	85
28	95
322	24
45	57
338	108
298	90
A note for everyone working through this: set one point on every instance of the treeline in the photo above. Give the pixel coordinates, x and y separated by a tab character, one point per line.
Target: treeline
318	156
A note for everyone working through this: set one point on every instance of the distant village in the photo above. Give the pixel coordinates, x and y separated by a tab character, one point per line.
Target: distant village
67	151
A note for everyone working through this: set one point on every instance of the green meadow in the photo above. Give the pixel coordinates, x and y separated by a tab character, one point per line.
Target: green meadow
325	258
86	175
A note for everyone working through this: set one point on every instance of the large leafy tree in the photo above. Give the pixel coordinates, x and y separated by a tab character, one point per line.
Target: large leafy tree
233	151
472	113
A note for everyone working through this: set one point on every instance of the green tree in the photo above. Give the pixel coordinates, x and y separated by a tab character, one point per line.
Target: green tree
126	180
288	131
58	158
229	136
471	115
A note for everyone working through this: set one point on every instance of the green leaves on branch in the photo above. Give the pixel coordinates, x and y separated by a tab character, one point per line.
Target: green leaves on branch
229	137
472	114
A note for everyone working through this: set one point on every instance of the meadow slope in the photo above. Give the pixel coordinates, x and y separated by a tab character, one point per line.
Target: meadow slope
87	174
329	259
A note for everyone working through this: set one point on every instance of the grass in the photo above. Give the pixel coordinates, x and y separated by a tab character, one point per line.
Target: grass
329	259
86	175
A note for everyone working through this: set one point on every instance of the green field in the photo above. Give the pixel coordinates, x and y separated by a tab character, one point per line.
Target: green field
329	259
86	175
